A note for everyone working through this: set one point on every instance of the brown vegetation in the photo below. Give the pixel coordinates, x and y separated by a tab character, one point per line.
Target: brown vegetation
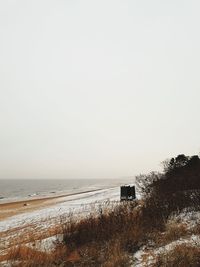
180	256
109	236
104	238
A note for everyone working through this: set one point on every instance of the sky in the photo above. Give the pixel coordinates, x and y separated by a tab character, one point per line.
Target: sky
97	89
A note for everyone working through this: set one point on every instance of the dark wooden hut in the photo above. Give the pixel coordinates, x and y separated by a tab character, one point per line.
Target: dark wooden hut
127	192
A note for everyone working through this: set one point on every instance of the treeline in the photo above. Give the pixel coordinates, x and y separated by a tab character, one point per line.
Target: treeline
172	191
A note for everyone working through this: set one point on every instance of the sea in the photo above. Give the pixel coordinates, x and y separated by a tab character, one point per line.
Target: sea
20	189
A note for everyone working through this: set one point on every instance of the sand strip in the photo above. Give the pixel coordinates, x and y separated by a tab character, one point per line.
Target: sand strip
17	207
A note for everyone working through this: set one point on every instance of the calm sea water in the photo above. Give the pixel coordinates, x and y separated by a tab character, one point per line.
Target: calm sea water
20	189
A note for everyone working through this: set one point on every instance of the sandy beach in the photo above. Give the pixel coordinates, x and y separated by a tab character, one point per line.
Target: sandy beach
42	216
28	205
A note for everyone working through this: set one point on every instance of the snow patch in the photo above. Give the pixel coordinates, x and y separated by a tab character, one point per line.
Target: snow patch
47	244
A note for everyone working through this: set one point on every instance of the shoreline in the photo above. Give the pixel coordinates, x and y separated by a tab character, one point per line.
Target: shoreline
46	197
9	209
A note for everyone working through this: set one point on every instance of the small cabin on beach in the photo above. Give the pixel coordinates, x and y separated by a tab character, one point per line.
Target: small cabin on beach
127	192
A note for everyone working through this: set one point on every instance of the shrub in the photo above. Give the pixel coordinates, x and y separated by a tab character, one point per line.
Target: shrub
177	188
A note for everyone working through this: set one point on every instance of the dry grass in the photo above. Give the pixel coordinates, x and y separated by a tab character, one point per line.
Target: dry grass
24	256
180	256
196	229
119	220
104	238
172	232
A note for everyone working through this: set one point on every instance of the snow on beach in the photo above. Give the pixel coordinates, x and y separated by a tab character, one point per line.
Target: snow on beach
39	229
63	205
18	228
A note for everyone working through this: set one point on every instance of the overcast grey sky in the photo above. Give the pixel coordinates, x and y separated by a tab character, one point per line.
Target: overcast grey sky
97	89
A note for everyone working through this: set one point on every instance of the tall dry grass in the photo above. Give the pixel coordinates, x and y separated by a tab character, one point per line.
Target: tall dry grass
103	238
181	256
